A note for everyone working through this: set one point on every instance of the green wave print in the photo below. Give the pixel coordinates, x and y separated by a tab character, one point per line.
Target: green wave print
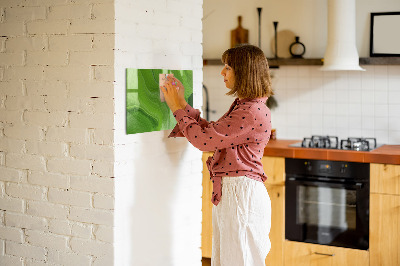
144	110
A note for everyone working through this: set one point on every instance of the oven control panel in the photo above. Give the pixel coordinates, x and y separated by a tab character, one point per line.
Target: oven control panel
338	169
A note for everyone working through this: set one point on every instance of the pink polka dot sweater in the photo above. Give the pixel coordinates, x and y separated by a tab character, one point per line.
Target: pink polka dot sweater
238	139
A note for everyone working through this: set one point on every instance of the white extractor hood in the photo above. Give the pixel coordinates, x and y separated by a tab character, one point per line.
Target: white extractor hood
341	51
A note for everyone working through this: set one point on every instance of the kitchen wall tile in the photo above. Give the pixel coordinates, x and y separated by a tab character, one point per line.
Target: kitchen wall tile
381	110
355	122
278	83
393	71
342	133
293	120
342	109
369	70
394	83
367	133
304	82
355	109
329	122
355	96
315	72
317	131
355	75
381	122
367	83
364	99
394	97
380	84
355	132
316	82
329	93
380	71
342	122
367	96
367	110
394	137
381	97
368	123
292	82
394	110
317	107
291	71
342	96
304	72
381	136
329	109
304	109
342	83
354	83
394	123
328	74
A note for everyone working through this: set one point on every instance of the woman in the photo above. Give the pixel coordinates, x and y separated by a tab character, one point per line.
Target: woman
242	208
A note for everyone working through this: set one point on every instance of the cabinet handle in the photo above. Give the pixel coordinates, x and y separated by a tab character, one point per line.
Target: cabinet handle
324	254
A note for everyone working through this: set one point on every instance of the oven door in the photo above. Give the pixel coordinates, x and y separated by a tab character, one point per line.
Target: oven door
327	213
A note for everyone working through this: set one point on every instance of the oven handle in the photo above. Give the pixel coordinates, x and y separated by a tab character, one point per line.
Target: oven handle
357	185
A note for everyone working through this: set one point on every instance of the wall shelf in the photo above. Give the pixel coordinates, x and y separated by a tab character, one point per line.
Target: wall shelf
274	63
380	61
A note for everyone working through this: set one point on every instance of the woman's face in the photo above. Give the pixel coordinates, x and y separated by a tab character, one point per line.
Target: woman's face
229	76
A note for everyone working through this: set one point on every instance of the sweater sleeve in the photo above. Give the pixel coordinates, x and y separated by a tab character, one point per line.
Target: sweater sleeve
231	130
193	113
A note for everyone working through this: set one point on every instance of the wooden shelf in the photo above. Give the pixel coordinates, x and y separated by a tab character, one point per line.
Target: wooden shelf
380	61
274	63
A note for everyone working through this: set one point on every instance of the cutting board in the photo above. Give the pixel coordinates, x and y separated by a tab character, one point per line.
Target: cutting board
239	35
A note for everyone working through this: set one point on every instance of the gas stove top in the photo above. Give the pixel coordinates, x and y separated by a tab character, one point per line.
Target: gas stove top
332	142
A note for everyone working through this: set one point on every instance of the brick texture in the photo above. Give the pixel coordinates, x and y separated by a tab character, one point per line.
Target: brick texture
56	129
62	87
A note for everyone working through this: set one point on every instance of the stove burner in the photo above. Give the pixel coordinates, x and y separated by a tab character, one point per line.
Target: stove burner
358	144
332	142
328	142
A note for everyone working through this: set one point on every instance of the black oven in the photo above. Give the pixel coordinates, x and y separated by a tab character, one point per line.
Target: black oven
327	202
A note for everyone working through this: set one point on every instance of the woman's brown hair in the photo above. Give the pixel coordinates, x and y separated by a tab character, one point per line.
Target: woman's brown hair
250	66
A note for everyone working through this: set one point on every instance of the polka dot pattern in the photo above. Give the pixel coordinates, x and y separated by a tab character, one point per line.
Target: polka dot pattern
238	139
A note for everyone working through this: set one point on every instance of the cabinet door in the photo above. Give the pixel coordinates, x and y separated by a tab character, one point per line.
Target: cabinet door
385	178
304	254
277	233
206	226
384	229
274	168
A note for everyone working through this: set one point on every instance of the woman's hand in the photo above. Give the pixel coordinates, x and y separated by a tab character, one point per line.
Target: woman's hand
181	91
174	93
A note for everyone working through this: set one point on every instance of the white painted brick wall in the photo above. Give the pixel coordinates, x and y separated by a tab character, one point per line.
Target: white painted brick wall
154	178
56	132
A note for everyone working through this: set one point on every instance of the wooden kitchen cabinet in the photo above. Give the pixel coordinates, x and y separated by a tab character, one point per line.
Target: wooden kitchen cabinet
384	236
305	254
385	178
206	225
274	168
277	233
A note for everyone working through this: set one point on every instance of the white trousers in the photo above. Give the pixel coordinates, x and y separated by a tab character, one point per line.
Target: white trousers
241	223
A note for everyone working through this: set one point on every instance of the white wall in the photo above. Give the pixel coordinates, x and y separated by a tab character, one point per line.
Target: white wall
344	103
158	180
305	18
56	132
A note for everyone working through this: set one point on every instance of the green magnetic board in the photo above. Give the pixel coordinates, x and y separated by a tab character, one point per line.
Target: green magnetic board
145	112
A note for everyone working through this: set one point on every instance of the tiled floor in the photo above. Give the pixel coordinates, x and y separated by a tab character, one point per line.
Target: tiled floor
206	261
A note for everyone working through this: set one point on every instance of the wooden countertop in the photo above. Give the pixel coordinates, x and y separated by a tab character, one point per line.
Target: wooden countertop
389	154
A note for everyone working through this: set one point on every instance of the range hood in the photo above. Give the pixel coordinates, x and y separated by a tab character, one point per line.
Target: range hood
341	51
